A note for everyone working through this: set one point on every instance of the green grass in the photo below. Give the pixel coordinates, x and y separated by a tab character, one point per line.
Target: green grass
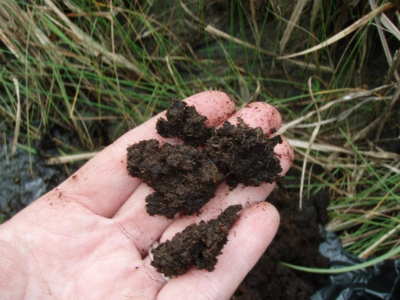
86	65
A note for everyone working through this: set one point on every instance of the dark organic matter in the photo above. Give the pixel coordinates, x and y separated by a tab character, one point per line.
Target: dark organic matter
185	177
198	245
297	241
185	122
182	176
245	153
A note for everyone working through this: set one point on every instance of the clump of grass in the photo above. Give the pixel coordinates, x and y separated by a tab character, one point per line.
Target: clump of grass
87	65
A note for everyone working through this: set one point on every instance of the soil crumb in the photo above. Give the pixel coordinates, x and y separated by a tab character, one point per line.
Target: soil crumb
297	242
185	122
198	245
183	177
246	154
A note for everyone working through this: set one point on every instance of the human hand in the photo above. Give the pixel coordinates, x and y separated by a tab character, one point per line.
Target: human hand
89	238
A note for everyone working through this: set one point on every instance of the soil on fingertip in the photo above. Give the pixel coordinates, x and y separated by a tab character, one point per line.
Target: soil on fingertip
184	122
245	154
296	242
197	245
186	177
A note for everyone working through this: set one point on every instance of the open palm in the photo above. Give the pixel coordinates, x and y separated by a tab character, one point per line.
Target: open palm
90	237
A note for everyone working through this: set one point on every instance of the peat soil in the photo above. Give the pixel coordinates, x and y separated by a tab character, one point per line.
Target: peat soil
198	245
297	242
185	177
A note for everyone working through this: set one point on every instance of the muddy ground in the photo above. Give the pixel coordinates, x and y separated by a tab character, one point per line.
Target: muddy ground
297	242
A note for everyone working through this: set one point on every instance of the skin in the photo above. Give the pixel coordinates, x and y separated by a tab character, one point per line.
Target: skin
89	238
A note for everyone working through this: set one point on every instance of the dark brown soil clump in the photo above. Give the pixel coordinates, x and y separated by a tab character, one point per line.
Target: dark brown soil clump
182	176
185	177
297	242
185	122
198	245
245	153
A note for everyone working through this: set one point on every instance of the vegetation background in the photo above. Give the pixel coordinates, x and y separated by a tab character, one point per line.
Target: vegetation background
75	75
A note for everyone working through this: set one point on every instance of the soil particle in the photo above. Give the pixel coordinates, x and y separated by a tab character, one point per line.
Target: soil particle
185	122
245	153
182	176
198	245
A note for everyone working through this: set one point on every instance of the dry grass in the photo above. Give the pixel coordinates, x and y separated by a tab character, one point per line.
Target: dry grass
90	65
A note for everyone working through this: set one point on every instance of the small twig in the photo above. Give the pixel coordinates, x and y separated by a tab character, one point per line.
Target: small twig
10	46
351	96
5	147
368	251
332	148
312	139
253	15
337	190
393	29
342	116
294	19
18	117
382	35
361	22
214	31
114	61
93	46
173	76
70	158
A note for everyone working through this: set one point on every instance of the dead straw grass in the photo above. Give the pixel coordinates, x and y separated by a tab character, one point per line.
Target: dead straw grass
77	65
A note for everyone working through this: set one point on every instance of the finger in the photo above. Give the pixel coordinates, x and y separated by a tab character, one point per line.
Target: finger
259	114
146	229
247	241
103	185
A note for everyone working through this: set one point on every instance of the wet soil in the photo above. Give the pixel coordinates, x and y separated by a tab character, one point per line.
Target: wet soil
197	245
297	242
184	177
245	154
185	123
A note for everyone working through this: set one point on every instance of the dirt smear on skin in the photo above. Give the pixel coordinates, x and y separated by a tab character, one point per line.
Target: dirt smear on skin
198	245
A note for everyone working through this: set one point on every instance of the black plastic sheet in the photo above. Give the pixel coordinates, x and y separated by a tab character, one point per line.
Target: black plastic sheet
381	281
18	186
